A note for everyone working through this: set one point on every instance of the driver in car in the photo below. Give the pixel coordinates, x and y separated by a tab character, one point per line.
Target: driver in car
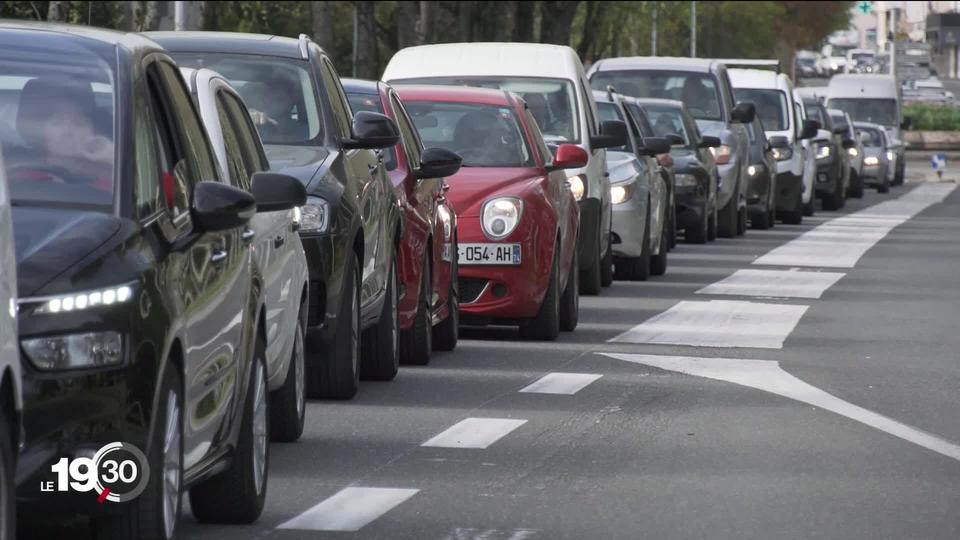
272	108
697	97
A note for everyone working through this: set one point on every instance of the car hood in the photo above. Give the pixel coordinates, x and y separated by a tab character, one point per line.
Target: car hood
51	240
622	166
711	127
473	186
301	162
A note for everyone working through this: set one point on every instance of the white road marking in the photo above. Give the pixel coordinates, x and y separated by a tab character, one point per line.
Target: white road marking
349	509
474	433
561	383
774	284
470	533
767	376
718	323
840	242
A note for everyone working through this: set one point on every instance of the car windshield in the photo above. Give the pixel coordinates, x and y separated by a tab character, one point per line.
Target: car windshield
279	93
771	106
667	120
551	101
609	111
371	103
805	61
483	135
871	137
873	110
814	112
57	125
698	91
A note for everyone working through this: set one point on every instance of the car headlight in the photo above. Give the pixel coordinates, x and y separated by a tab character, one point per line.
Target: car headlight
685	180
871	161
577	186
754	170
64	303
782	154
722	154
500	217
621	193
92	349
853	152
823	151
315	216
890	155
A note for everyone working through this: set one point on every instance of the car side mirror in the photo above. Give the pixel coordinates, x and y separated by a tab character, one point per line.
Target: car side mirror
744	112
778	141
840	129
710	141
613	133
218	206
907	123
372	131
276	192
810	129
674	139
654	146
569	156
438	163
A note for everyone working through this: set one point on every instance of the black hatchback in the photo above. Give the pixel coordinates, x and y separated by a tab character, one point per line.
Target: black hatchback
141	320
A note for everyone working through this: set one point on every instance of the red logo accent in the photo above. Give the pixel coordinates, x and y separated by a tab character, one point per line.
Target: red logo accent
103	495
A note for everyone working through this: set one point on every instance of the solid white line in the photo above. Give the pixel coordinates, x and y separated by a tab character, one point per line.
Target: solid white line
774	283
561	383
349	509
767	376
474	433
841	242
718	323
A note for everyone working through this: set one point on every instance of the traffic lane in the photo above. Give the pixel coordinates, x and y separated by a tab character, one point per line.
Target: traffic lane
885	337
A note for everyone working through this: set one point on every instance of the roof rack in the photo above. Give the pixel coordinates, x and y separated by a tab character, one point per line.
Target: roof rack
304	40
750	63
611	91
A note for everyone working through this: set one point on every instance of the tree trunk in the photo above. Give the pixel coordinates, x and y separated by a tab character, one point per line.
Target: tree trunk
151	17
425	22
590	37
408	18
558	18
503	26
322	13
364	42
465	10
523	22
58	11
211	16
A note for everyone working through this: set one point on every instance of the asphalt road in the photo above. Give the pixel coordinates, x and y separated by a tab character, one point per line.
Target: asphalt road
813	396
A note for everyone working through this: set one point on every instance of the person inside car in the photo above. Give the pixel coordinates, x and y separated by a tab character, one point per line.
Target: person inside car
274	109
696	96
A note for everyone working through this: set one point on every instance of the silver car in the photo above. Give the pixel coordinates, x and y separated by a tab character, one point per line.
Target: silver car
10	394
639	195
877	156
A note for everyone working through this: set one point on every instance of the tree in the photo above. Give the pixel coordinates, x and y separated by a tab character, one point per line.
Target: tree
151	16
805	24
408	18
364	41
523	22
322	15
58	11
560	16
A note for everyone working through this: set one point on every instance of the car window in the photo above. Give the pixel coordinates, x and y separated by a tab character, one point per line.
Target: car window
483	135
148	193
771	106
643	121
338	98
698	91
279	92
540	145
254	158
798	113
196	149
610	111
175	172
371	103
871	137
667	120
409	138
237	173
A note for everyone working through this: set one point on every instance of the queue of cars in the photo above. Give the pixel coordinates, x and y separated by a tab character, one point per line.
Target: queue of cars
211	228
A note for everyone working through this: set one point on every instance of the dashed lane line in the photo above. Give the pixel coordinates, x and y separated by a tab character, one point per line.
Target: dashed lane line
774	283
474	433
561	383
350	509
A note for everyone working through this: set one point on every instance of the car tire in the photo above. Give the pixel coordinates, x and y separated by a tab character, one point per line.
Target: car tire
570	301
795	216
447	333
237	494
701	233
856	186
606	266
416	343
772	215
728	220
884	186
673	225
380	344
637	268
154	514
809	209
898	176
658	262
8	496
288	404
545	326
712	226
760	220
742	219
590	280
338	375
831	202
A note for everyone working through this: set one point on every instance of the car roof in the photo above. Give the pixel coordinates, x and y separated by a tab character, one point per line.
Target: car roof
228	42
757	78
455	94
484	59
673	63
862	86
672	103
360	86
127	40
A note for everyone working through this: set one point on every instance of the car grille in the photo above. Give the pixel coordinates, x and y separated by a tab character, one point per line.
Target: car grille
470	289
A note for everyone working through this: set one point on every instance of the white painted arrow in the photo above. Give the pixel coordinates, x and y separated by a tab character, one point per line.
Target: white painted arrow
768	376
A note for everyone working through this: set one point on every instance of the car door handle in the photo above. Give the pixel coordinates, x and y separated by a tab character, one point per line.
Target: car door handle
218	256
279	241
248	235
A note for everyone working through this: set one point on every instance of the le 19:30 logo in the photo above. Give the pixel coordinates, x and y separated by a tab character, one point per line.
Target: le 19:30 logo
118	472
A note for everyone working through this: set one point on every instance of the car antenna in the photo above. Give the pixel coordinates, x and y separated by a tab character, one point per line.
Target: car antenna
611	91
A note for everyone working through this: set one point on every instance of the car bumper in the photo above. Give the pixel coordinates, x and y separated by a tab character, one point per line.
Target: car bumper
690	202
875	175
825	181
758	190
789	190
325	286
629	223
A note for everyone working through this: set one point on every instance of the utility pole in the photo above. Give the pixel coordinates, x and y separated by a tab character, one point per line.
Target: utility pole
179	15
693	29
653	35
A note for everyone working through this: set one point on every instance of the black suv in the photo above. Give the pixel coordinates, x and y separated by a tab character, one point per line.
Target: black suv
351	224
141	317
833	169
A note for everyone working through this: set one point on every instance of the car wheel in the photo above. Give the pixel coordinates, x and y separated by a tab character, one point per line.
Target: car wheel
237	494
570	302
447	333
606	266
380	347
700	233
590	280
416	343
288	404
760	220
658	262
884	186
155	513
673	225
795	216
712	226
338	375
831	201
546	325
8	509
856	186
809	208
637	268
729	218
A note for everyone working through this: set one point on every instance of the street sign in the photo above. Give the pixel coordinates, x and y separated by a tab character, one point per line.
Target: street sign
865	7
938	162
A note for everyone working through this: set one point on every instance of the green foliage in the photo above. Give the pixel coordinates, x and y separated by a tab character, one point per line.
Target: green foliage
926	117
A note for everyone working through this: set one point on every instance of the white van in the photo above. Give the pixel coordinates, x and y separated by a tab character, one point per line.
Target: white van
875	99
551	79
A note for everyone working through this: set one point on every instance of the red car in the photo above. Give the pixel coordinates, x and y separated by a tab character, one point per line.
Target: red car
518	219
429	317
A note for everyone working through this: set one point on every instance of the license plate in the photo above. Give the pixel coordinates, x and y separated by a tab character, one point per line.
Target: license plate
503	254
